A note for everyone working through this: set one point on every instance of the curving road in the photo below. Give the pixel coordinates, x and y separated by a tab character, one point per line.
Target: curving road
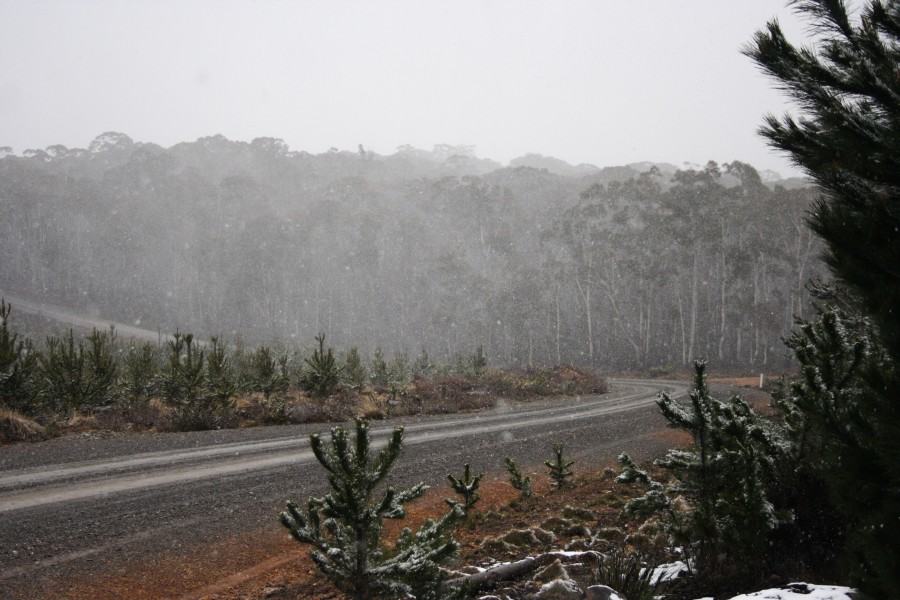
89	506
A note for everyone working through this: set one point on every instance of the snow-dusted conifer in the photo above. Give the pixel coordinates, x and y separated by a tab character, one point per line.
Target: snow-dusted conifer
467	487
344	526
846	137
845	420
322	374
724	476
220	384
517	479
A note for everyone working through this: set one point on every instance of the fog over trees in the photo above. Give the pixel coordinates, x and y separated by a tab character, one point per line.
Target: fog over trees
539	262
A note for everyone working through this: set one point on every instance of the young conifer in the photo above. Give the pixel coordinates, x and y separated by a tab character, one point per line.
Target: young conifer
846	138
181	383
560	470
467	487
354	372
725	476
516	479
379	373
18	365
321	376
220	381
344	527
139	370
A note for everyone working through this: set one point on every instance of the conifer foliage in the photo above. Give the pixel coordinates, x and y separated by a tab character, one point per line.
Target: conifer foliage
17	366
849	424
74	377
181	384
848	140
344	526
560	469
725	477
322	375
467	487
517	479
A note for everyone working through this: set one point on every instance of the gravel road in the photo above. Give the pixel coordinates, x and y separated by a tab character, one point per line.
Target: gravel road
83	505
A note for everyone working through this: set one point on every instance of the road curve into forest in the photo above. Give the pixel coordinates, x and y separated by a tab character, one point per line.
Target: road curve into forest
90	506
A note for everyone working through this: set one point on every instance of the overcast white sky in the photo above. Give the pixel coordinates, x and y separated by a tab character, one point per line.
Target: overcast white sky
605	82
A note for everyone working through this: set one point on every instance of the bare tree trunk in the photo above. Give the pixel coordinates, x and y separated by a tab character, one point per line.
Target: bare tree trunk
684	358
694	293
585	292
558	355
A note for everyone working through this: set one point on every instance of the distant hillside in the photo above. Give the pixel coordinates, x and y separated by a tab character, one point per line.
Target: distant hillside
538	262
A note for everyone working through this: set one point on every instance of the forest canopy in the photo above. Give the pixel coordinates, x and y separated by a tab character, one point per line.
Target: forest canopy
644	266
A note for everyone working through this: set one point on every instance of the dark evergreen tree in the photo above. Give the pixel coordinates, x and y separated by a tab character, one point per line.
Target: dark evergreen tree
422	366
344	527
72	378
220	381
560	469
848	140
139	370
398	370
848	431
102	367
467	487
268	373
726	476
181	384
17	367
321	376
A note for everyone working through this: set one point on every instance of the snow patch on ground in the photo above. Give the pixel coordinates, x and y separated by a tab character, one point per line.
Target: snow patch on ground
668	571
799	591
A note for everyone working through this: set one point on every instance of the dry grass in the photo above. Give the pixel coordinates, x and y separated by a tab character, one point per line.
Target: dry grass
16	427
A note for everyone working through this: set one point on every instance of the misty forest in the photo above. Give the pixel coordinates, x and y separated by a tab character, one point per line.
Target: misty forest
645	266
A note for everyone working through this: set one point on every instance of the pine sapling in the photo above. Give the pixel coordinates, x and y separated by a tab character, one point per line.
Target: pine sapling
18	366
560	470
182	384
344	527
467	487
321	376
220	382
353	372
379	375
422	366
517	480
139	367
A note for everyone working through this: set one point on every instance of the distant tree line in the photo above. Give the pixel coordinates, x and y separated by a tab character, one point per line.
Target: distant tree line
611	268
